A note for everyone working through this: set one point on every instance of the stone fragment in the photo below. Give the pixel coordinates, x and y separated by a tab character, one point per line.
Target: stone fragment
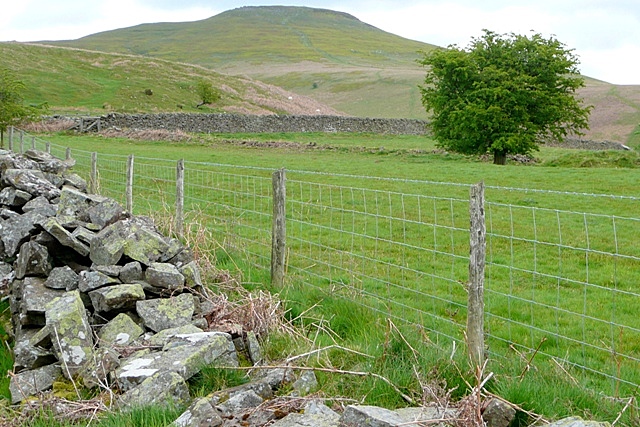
109	270
131	272
253	348
84	235
191	274
42	205
71	333
31	181
10	196
164	275
116	297
27	355
164	336
28	383
160	389
53	227
186	360
106	213
199	414
369	416
107	246
165	313
144	245
75	203
33	260
76	181
120	331
305	384
239	402
577	422
498	413
92	280
47	162
34	300
306	420
16	230
62	278
95	372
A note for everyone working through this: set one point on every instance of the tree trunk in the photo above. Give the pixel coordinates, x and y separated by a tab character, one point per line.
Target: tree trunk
499	157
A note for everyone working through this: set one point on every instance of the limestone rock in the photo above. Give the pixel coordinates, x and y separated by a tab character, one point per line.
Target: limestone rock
91	280
191	274
306	420
107	246
164	336
199	414
106	213
162	388
53	227
13	197
305	384
47	162
17	229
165	313
42	205
164	275
33	182
120	331
62	278
116	297
34	299
71	333
239	402
144	244
75	203
96	371
131	272
28	383
33	260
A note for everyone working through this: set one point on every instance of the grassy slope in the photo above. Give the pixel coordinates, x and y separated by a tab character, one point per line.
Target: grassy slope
333	57
72	80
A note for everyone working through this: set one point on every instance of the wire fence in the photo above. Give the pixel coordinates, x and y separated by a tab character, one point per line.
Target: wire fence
560	283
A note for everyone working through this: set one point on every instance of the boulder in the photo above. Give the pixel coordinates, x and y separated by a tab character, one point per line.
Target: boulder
16	230
144	244
498	413
30	181
107	246
577	422
160	389
28	383
164	275
62	278
200	413
91	280
120	331
53	227
33	260
116	297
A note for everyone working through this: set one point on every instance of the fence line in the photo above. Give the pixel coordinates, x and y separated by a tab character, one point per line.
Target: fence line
559	283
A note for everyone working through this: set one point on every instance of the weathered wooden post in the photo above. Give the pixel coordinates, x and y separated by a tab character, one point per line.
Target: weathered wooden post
48	147
33	142
21	142
11	130
475	305
180	198
278	229
129	189
67	154
93	180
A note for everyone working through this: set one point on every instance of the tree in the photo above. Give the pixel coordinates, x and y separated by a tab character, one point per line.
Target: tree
503	94
206	92
12	108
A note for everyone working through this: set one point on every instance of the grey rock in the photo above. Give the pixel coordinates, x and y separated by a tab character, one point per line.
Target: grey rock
14	231
116	297
131	272
186	360
306	420
84	235
164	336
33	260
96	371
33	182
29	356
62	278
120	331
316	407
427	414
162	388
92	280
28	383
305	384
106	213
577	422
369	416
191	274
253	348
42	205
109	270
107	246
498	413
199	414
239	402
47	162
144	244
34	299
75	203
164	275
10	196
76	181
165	313
53	227
72	336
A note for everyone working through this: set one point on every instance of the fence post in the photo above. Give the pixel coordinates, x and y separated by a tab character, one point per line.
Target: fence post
475	305
11	138
48	147
21	142
129	189
180	198
67	154
278	229
93	180
33	142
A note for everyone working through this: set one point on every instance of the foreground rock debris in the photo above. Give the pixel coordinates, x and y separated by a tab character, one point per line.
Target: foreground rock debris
101	298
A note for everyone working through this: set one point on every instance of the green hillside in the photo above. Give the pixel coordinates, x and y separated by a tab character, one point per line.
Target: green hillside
90	82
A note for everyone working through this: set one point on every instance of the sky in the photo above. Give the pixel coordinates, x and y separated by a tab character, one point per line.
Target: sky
605	34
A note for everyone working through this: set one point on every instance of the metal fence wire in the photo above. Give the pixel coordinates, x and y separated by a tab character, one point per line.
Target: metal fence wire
561	268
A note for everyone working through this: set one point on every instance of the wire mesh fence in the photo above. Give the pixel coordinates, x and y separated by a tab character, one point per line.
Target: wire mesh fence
560	283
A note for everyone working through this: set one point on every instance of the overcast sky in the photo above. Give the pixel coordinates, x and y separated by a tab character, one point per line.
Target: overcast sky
604	33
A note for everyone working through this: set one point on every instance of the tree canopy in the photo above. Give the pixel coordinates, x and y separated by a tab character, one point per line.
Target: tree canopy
503	94
207	93
12	108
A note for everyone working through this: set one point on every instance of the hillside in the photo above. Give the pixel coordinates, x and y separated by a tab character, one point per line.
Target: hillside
90	82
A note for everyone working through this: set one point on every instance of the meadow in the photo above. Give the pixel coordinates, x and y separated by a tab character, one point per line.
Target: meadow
378	254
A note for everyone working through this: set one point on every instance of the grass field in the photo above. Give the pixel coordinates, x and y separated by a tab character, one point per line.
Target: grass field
378	227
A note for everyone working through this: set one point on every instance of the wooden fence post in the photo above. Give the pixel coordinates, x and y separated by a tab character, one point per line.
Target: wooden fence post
11	130
278	229
93	179
33	142
180	198
67	154
129	189
48	147
21	142
477	252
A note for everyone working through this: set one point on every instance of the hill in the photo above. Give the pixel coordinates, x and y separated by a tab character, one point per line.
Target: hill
332	57
90	82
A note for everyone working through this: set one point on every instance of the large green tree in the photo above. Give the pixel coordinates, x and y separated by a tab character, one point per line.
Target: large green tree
503	94
13	111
